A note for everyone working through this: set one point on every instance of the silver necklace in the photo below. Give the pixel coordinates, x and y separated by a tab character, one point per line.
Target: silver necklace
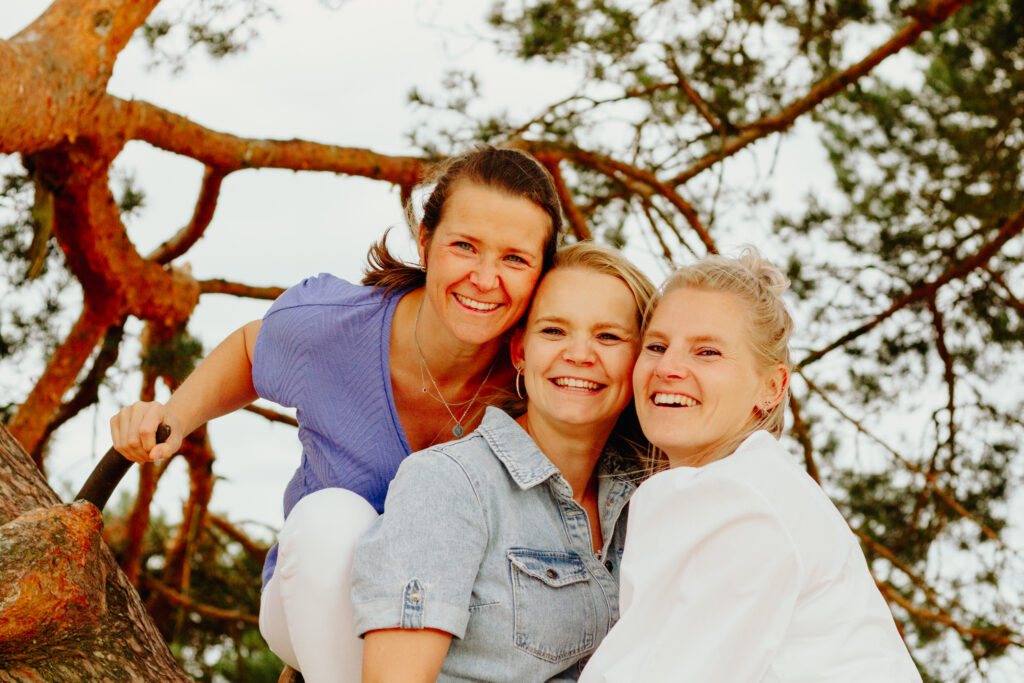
457	430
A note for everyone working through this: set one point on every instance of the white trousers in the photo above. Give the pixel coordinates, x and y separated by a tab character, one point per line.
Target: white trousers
306	608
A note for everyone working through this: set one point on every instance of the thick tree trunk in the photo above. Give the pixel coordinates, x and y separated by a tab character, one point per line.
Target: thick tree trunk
67	612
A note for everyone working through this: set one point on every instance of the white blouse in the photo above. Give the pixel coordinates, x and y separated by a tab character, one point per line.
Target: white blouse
743	571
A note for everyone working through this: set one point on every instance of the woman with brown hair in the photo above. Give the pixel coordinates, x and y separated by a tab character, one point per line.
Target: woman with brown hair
376	371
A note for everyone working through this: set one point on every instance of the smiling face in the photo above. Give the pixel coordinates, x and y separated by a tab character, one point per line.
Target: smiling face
577	351
483	261
696	380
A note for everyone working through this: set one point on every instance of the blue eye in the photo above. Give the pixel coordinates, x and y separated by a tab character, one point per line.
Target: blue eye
514	258
709	352
554	331
608	336
656	347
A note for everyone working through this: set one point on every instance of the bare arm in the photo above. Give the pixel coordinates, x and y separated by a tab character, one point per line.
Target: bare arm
399	655
220	384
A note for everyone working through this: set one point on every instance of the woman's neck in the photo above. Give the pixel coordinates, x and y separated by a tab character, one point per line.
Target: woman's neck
575	451
421	339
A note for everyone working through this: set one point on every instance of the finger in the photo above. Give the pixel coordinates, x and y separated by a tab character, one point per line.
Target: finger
120	427
161	452
151	419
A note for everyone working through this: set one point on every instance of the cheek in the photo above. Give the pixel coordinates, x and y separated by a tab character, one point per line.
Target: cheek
625	365
520	288
642	373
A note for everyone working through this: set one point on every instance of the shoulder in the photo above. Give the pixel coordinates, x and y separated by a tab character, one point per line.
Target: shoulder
478	459
764	462
751	483
717	485
327	290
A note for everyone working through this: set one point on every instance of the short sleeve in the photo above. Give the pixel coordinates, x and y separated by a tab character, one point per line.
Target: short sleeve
279	353
710	582
416	567
298	330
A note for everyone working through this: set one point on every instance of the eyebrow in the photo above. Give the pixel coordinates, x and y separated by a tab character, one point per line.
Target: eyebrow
604	325
698	339
510	248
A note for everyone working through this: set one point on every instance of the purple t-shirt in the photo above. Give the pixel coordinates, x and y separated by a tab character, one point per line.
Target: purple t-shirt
323	349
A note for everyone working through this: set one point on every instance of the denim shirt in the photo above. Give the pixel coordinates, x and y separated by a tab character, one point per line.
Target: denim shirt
481	538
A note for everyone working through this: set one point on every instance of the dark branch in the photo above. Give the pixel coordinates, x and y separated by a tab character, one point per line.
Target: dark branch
183	240
1009	229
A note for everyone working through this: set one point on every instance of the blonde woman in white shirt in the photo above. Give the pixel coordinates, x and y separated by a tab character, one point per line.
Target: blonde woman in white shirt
737	567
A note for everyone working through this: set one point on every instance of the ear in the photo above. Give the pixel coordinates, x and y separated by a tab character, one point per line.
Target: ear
422	241
516	348
775	383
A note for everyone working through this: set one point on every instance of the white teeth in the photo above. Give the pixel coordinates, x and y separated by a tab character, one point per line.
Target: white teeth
476	305
673	400
575	383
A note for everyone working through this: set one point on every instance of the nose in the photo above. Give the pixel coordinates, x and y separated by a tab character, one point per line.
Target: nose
579	351
671	367
484	276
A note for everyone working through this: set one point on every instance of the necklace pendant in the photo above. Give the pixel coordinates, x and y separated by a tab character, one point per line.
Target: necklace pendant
458	431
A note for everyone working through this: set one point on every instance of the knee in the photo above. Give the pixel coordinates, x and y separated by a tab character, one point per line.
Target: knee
323	525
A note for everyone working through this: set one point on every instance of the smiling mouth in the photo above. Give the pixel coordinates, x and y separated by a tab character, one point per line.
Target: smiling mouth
475	305
577	383
674	400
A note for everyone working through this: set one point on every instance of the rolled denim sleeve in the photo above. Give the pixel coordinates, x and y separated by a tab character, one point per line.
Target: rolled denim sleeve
415	568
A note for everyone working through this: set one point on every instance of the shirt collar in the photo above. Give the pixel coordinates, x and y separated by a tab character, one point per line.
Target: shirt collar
526	464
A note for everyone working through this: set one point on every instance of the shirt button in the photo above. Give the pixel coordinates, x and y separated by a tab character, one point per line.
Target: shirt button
414	597
552	573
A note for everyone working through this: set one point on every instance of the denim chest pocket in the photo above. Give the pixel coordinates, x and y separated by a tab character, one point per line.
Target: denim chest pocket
553	604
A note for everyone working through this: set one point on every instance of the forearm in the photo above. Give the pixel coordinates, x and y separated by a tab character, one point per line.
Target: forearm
406	656
220	384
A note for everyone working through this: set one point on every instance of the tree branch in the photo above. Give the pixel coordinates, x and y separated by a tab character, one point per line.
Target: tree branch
88	389
1009	229
1001	637
702	107
258	551
57	68
183	240
624	173
179	600
1012	298
217	286
802	432
272	415
139	120
929	476
924	19
949	375
577	221
43	403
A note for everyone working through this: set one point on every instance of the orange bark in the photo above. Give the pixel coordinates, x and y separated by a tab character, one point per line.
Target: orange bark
57	68
43	403
67	613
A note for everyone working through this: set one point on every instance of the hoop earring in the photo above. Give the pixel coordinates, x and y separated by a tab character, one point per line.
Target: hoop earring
519	376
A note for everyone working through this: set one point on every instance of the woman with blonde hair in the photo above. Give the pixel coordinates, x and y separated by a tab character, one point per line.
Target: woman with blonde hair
737	567
497	556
